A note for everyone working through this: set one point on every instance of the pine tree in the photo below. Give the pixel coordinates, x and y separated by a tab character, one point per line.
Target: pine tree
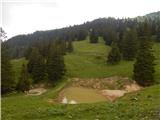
55	63
158	35
63	47
70	46
7	74
114	56
93	36
129	45
144	65
36	65
109	36
24	82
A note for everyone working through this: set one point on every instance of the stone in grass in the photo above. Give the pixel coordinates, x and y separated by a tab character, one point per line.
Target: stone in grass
65	101
72	102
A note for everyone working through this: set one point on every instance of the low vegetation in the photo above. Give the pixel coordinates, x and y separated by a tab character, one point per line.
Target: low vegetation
77	64
92	55
139	105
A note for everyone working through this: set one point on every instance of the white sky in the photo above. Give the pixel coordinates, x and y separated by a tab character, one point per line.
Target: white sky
27	16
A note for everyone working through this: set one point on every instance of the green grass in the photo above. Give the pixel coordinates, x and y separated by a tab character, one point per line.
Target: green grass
89	61
141	105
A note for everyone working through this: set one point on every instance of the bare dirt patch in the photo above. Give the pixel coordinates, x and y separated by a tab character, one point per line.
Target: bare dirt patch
102	83
132	87
112	94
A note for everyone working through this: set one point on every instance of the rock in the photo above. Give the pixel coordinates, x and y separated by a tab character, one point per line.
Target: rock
72	102
65	101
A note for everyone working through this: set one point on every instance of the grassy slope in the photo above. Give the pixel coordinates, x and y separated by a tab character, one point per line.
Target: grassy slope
89	61
21	107
143	104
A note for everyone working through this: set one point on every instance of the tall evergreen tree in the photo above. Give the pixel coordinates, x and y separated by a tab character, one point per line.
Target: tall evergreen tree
93	36
24	82
55	63
114	56
144	65
158	34
129	44
63	47
70	46
36	65
7	74
109	36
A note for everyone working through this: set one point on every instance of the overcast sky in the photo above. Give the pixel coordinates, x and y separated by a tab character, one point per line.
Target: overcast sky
27	16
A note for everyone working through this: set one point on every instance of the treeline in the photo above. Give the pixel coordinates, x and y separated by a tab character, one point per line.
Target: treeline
108	28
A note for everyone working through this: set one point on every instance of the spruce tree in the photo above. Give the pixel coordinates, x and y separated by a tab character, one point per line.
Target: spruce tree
144	65
55	63
114	56
63	47
24	82
70	46
158	35
7	74
36	65
93	36
129	45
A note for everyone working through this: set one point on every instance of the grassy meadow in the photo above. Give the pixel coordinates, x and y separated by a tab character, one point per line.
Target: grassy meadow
141	105
87	61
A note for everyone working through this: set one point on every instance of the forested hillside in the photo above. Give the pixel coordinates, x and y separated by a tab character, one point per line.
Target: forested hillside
105	27
108	69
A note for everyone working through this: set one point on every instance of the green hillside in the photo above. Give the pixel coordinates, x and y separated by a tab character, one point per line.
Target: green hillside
87	61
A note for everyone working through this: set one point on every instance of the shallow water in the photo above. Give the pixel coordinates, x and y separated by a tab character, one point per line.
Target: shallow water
75	95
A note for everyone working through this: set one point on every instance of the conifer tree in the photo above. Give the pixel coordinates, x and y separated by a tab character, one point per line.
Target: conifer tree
144	65
63	47
70	46
7	74
129	44
114	56
24	82
158	35
36	65
93	36
55	63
